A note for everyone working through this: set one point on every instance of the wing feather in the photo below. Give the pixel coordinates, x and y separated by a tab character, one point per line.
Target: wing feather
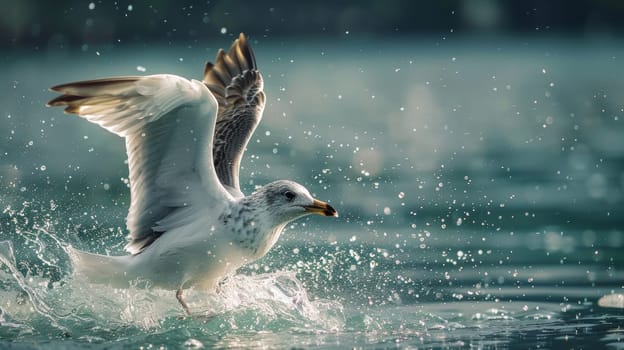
168	124
238	87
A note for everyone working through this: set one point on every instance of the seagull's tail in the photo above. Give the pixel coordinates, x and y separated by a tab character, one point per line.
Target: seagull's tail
102	269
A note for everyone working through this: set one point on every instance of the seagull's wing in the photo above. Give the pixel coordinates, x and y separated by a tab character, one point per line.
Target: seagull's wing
168	123
237	85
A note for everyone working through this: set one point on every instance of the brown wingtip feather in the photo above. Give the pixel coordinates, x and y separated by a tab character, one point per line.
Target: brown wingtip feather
75	94
95	83
63	100
238	59
245	51
71	102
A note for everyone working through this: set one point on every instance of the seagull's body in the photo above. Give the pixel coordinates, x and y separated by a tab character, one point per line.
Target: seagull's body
189	223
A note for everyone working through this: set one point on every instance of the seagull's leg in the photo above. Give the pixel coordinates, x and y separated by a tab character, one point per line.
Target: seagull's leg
182	302
218	288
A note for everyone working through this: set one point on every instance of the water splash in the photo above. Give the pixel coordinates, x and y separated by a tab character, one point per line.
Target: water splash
41	298
24	293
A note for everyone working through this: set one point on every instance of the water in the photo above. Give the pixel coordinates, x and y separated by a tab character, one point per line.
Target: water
480	187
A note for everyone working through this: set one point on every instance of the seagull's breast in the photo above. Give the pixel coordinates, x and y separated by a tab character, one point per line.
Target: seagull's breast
249	227
209	247
199	253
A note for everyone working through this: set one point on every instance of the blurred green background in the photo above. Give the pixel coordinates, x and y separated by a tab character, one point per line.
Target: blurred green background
52	24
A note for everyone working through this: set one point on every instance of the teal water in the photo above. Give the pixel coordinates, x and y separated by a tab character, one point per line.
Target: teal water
480	186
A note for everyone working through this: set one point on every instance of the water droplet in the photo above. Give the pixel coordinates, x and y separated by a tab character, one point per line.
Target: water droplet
141	68
401	195
91	6
223	30
387	211
193	343
43	168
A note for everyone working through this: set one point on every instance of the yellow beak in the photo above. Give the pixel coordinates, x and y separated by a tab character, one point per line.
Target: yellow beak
321	208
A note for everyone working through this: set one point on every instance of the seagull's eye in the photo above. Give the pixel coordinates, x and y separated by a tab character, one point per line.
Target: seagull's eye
289	195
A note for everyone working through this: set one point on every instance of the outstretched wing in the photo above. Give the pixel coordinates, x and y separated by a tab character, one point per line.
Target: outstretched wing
237	85
168	124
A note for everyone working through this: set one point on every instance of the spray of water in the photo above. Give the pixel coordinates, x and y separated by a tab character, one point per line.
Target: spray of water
40	296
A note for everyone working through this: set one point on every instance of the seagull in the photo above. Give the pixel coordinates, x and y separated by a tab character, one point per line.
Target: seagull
189	223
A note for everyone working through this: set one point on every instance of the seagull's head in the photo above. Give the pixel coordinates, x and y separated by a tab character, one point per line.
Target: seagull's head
288	200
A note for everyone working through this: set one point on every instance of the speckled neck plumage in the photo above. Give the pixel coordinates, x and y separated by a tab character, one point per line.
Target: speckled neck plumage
252	226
